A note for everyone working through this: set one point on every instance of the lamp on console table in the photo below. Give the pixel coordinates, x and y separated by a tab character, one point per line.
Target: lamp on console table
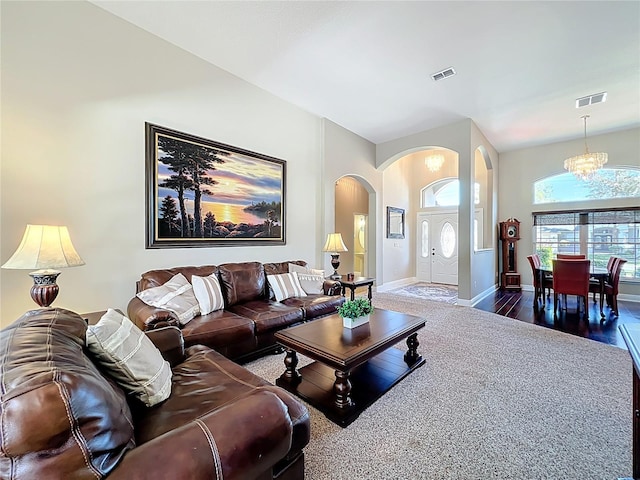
335	245
44	247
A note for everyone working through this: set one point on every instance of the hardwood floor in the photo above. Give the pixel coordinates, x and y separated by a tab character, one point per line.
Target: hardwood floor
519	305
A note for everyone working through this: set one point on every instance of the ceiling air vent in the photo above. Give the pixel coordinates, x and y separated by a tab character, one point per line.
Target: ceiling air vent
443	74
591	99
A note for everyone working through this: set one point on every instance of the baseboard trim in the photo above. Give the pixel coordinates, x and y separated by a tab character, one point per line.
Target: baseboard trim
396	284
478	298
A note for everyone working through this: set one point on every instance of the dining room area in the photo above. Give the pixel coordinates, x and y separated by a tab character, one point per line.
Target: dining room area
570	294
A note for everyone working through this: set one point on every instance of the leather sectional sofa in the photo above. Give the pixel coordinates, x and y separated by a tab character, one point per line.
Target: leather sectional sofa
245	328
62	417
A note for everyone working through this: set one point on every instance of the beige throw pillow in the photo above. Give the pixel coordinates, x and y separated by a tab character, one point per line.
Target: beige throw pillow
285	286
208	293
128	355
311	280
175	295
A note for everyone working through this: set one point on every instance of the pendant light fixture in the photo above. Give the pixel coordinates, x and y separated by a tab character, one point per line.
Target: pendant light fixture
585	166
434	162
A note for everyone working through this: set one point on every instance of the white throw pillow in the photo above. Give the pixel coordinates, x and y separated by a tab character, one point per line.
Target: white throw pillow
294	267
311	284
175	295
130	357
285	286
311	280
208	293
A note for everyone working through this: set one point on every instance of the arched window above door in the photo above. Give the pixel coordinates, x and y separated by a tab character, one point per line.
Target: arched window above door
445	193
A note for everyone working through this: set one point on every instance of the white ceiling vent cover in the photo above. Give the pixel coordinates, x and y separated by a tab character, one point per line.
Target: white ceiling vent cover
591	99
448	72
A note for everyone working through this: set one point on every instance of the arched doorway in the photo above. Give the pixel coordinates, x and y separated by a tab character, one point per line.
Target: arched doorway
352	221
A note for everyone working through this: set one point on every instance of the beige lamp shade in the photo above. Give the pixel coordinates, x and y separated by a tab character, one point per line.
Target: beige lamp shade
44	247
334	243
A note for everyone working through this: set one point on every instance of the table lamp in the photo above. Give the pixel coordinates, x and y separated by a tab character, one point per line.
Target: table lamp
44	247
335	244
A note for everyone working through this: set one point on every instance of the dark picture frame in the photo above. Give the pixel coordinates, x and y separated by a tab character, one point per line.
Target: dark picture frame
202	193
395	222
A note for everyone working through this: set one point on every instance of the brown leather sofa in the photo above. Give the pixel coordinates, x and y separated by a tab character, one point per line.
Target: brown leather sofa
62	418
245	328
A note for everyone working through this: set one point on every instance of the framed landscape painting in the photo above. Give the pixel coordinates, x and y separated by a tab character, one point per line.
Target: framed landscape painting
202	193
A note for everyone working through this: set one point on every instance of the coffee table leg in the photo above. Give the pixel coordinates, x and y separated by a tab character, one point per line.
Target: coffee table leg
342	389
290	374
412	356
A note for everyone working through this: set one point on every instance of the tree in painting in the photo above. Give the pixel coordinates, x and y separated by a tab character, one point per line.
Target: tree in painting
168	217
191	164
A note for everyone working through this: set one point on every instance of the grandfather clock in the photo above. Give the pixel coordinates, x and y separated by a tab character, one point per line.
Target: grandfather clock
510	234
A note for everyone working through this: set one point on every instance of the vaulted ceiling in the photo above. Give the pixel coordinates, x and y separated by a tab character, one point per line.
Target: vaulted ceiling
520	66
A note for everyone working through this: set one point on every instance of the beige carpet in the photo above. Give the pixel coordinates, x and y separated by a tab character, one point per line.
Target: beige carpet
497	398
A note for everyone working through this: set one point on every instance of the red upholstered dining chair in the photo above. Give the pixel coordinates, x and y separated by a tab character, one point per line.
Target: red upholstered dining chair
571	277
611	287
539	282
566	256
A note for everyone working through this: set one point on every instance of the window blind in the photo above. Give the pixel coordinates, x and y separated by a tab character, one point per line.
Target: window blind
588	217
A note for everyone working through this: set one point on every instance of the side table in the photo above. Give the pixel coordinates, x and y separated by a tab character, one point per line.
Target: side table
355	283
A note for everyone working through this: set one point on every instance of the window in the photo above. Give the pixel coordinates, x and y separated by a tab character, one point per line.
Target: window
606	183
446	193
599	234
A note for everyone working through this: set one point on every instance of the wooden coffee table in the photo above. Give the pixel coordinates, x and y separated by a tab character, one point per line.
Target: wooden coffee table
353	367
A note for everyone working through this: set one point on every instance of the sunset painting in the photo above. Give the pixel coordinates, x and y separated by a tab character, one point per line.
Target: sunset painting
204	193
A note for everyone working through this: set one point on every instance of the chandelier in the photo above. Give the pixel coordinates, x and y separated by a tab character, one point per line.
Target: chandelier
434	162
585	166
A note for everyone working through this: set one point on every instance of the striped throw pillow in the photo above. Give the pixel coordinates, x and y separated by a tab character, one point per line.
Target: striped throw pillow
285	286
130	357
208	293
175	295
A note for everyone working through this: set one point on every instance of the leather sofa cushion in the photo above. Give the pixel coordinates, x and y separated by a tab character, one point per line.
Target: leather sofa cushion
206	382
268	315
315	306
155	278
242	282
218	329
278	268
59	413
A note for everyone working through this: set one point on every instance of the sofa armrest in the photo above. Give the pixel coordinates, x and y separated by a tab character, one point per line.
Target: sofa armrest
332	287
147	317
170	342
240	441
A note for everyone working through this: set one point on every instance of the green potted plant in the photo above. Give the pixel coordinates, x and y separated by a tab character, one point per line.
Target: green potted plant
355	312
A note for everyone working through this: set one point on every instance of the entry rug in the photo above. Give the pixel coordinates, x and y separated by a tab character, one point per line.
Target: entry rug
431	291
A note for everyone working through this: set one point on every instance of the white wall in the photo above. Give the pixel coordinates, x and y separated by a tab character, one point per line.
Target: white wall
345	153
78	84
398	253
519	169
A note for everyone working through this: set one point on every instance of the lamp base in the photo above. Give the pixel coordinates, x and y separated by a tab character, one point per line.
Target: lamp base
44	290
335	263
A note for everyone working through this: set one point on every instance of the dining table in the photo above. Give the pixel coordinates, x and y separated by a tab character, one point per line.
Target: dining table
600	274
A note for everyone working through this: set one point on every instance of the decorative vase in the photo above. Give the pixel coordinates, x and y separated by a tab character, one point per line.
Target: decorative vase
355	322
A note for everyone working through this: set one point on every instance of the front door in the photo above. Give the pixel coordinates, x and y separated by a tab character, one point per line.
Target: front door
438	248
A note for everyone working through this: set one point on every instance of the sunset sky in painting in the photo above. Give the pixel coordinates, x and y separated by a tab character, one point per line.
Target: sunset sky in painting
242	180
